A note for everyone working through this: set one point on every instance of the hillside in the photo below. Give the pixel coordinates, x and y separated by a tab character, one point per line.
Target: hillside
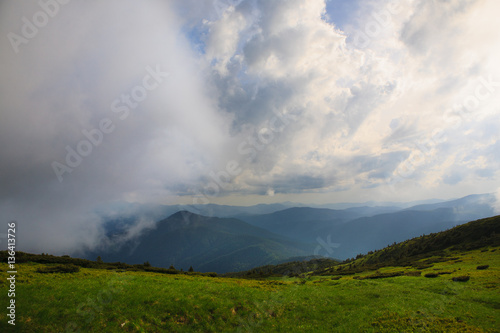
291	268
466	237
432	299
209	244
443	282
370	233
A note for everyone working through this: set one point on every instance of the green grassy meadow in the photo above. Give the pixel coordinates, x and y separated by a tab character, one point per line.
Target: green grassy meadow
100	300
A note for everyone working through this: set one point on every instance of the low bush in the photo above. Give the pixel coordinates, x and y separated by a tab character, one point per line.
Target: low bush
463	278
382	275
431	275
69	268
413	273
482	267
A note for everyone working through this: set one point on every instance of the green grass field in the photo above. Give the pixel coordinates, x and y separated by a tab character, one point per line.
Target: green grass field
98	300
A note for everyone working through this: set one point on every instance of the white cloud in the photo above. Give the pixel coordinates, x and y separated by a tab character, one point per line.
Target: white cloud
399	117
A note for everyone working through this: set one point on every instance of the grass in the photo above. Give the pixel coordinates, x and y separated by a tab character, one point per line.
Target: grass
97	300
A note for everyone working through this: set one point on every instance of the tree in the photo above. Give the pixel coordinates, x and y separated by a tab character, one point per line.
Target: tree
191	269
147	264
99	260
172	267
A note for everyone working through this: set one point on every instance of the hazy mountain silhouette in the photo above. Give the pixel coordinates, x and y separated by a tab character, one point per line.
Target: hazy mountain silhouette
230	244
207	243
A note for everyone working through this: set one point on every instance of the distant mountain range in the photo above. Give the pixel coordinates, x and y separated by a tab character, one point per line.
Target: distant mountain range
231	238
342	234
473	235
209	244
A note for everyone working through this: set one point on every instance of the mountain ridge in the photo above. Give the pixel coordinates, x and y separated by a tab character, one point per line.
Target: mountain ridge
186	239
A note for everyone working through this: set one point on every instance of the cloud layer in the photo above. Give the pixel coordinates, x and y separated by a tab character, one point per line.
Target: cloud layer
241	102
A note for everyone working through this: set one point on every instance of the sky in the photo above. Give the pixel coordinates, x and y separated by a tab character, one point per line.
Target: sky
241	102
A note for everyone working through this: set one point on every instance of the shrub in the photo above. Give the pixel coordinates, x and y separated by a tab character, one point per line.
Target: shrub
483	267
69	268
379	275
463	278
431	275
413	273
131	269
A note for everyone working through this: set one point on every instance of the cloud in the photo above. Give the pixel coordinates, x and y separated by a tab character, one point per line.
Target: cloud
282	88
496	206
64	81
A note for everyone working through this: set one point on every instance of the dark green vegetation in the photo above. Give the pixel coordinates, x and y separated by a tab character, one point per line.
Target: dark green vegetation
291	269
379	292
69	268
66	264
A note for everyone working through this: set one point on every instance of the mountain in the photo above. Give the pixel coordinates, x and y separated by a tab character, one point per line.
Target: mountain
468	208
345	233
301	223
370	233
390	204
207	243
465	237
122	216
234	211
438	247
229	238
